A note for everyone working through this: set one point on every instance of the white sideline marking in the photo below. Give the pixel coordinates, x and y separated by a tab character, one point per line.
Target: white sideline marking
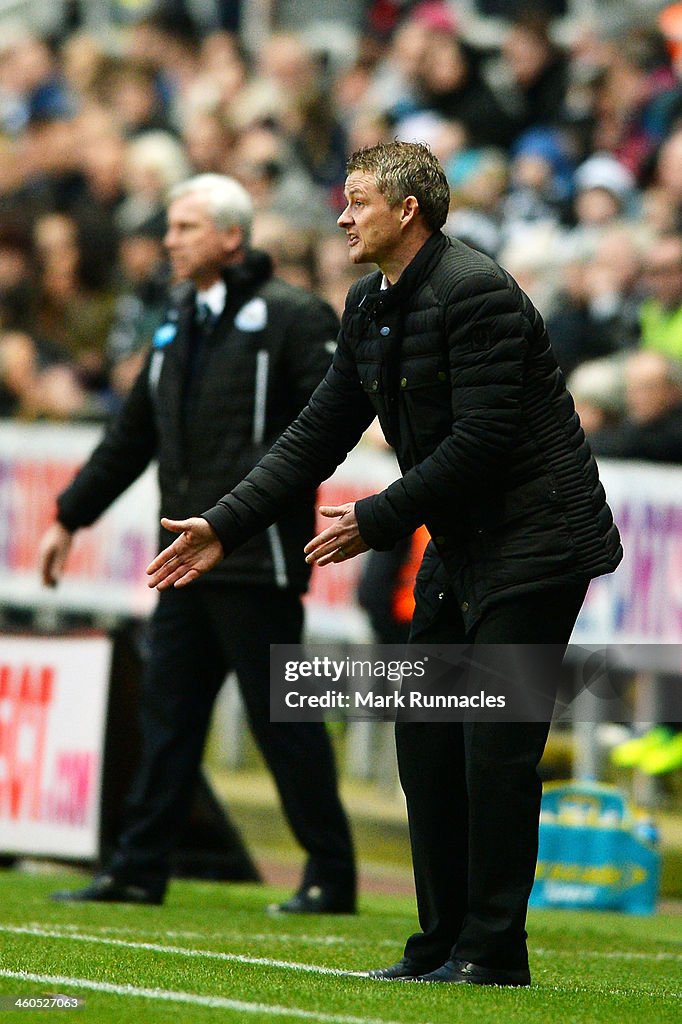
215	1002
69	932
66	932
233	936
154	947
612	955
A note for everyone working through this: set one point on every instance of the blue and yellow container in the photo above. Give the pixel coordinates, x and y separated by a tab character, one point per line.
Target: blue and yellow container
596	852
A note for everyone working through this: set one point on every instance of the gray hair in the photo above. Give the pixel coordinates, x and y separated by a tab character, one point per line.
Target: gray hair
227	202
161	153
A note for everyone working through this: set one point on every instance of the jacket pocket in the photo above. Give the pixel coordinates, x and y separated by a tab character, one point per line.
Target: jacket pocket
424	372
432	591
425	396
371	378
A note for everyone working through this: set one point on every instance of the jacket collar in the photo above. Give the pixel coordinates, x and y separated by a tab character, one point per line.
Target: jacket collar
411	278
255	270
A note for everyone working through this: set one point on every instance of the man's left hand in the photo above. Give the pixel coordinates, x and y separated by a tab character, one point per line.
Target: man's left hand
338	542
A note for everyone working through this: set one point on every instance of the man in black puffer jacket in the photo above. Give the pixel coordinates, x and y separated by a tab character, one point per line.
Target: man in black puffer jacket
238	356
444	347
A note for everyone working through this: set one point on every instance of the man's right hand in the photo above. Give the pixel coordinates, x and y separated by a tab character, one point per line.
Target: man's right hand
196	550
53	552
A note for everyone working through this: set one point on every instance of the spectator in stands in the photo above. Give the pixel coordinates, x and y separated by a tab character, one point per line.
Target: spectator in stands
75	303
532	257
102	152
540	180
102	188
597	313
667	174
393	84
17	283
598	391
216	87
155	162
18	376
131	92
238	354
32	389
660	314
293	254
316	135
171	49
603	192
652	427
265	164
448	84
530	77
142	298
478	181
13	198
632	97
207	140
368	126
84	60
51	164
33	83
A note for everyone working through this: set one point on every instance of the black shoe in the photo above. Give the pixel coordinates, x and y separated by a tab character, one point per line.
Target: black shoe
404	970
106	889
314	900
461	972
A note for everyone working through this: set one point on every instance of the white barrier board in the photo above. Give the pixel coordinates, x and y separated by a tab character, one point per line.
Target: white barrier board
641	603
53	703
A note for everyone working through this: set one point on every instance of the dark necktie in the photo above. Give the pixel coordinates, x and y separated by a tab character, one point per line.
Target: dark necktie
204	321
206	318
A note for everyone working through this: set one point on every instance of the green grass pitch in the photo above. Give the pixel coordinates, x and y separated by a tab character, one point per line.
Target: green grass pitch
212	954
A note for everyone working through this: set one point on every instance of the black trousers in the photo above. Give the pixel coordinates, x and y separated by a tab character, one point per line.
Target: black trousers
473	798
197	636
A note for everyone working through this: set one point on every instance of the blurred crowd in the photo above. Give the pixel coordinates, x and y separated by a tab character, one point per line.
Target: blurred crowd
563	147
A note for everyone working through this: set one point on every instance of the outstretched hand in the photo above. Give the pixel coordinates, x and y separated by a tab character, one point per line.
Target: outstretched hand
196	550
338	542
54	550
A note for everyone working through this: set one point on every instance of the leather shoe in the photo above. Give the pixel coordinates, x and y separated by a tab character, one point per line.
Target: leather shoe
403	970
462	972
314	900
107	889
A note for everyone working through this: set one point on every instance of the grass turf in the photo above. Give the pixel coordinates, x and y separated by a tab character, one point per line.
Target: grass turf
212	954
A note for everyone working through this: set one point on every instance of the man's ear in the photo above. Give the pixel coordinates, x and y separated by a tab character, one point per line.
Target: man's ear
233	240
409	211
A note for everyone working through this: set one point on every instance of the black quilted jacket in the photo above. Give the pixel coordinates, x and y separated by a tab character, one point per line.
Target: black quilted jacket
257	369
455	361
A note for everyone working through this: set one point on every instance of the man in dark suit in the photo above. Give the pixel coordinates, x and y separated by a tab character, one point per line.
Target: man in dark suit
446	349
236	357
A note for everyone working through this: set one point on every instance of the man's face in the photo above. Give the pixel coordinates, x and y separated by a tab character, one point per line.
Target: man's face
648	392
663	272
372	226
197	248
